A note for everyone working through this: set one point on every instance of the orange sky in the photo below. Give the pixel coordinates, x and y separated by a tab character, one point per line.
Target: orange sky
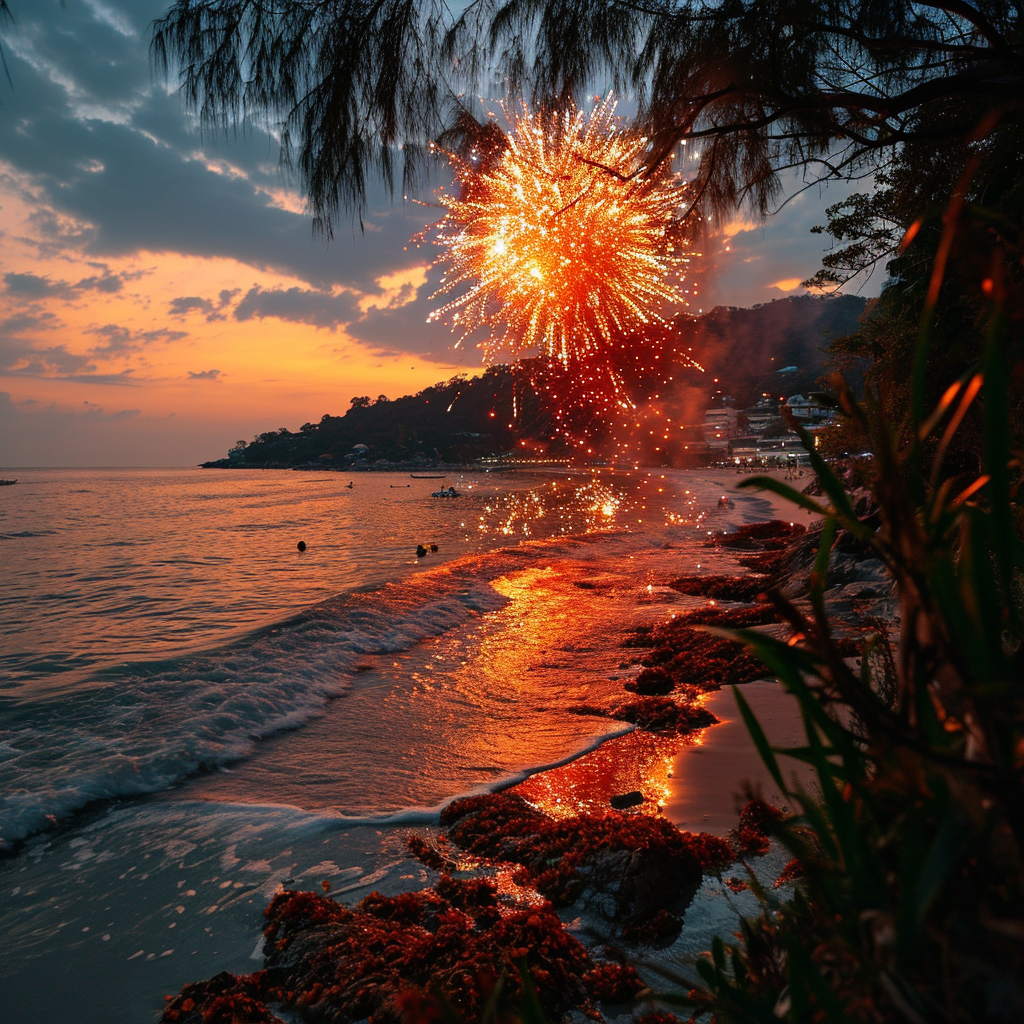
161	293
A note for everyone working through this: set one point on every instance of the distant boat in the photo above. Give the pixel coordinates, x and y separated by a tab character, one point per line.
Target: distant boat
7	483
423	476
449	492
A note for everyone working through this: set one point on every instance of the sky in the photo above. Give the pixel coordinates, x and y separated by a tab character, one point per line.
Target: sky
162	294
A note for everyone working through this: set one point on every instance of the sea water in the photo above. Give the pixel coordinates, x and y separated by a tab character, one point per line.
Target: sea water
194	713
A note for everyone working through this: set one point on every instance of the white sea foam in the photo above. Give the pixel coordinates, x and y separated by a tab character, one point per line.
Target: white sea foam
144	728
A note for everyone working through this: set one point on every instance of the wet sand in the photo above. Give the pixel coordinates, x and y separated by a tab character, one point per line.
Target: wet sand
702	780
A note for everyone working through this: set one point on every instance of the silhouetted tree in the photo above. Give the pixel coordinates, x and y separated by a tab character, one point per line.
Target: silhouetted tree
360	87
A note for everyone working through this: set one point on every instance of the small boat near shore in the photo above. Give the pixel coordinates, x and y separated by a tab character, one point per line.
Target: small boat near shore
7	483
446	492
427	476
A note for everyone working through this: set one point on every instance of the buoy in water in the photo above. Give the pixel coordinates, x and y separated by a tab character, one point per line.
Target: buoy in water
420	551
301	545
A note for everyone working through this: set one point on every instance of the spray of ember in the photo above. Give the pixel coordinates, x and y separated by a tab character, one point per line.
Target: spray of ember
564	245
629	404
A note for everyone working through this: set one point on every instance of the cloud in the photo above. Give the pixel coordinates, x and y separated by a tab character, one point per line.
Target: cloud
788	284
205	374
185	304
763	260
188	303
28	322
397	289
19	359
31	286
120	340
390	328
299	305
96	412
108	283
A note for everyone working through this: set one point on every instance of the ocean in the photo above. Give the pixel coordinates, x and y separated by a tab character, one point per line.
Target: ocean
194	712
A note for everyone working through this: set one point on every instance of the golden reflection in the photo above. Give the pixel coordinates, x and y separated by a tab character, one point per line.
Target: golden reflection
540	651
521	896
639	761
576	508
581	505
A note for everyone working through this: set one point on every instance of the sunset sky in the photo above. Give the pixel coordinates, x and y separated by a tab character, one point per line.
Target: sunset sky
162	294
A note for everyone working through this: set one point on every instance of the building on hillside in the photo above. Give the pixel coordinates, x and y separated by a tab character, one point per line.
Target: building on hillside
720	424
816	408
760	415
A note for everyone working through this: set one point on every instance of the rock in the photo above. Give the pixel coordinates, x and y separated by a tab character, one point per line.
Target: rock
623	800
628	867
652	682
224	999
662	713
722	588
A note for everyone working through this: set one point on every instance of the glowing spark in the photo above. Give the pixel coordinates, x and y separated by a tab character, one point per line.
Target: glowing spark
564	242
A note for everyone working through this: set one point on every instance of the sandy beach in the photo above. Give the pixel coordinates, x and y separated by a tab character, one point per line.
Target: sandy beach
555	824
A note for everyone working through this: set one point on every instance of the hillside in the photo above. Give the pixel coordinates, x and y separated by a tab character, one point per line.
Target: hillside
746	348
466	418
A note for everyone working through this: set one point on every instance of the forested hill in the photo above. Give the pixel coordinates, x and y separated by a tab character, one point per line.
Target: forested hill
746	348
456	421
465	418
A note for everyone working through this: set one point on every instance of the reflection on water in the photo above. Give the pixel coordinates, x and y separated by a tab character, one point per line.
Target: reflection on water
637	762
109	566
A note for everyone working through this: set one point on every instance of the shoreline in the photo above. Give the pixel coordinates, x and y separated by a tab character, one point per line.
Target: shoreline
141	868
560	825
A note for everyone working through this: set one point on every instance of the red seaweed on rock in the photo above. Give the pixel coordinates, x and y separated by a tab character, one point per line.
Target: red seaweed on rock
722	588
757	821
692	656
644	864
224	999
773	535
389	953
734	618
791	871
424	956
651	682
658	1017
429	855
611	982
770	563
661	714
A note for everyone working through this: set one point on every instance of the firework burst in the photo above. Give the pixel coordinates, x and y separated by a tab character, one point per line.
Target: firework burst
565	245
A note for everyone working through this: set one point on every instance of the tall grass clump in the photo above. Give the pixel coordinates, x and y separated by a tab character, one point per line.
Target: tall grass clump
909	847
